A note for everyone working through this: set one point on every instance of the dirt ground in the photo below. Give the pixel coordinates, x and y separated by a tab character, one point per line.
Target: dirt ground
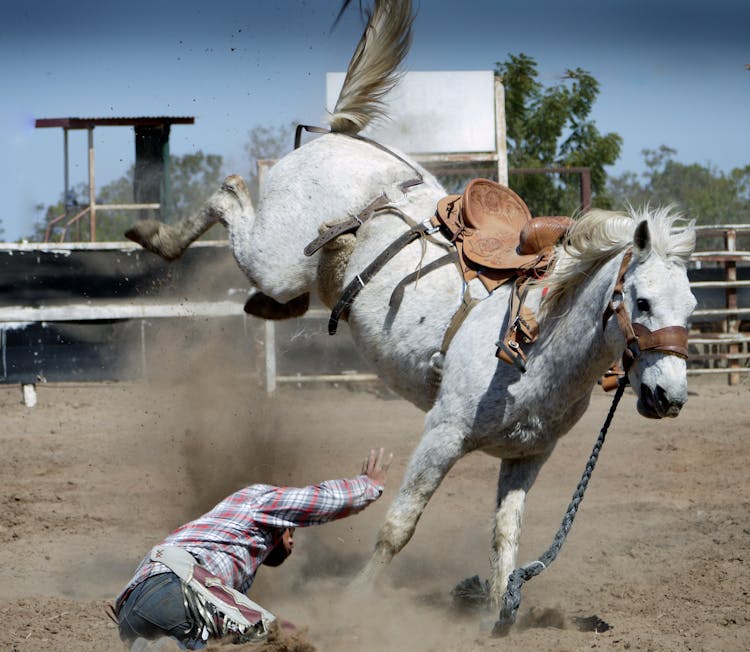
97	473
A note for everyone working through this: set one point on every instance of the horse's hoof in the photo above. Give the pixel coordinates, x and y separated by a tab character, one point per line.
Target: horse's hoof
143	232
471	595
263	306
154	236
501	629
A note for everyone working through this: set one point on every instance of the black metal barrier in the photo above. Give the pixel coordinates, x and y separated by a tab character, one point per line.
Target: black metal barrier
88	312
82	285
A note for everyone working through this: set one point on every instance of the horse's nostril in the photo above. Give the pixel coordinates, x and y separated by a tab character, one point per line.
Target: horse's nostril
665	404
661	399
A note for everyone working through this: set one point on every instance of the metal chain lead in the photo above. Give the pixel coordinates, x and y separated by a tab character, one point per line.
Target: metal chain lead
512	597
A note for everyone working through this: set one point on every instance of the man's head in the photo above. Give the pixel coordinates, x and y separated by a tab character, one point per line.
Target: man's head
282	549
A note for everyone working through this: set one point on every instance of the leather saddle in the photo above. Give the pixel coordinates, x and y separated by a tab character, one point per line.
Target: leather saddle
495	235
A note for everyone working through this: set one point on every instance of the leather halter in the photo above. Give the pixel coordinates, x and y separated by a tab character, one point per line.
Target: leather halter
672	340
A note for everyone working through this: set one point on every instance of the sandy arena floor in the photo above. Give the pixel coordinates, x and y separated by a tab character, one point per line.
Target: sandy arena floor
95	474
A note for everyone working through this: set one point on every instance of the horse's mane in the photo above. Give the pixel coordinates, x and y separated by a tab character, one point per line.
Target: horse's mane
599	235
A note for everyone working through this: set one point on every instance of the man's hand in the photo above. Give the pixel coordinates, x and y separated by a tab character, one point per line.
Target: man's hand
375	466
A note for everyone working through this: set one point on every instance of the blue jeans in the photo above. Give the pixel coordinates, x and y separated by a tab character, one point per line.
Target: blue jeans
155	608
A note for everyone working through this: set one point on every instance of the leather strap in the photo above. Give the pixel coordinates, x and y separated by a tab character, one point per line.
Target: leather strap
111	612
347	226
521	327
341	309
353	223
321	130
617	292
309	128
671	339
467	303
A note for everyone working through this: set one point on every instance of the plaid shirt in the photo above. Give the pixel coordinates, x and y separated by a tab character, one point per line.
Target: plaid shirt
234	538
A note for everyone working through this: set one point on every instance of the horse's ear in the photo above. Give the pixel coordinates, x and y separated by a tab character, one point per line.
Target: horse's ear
642	239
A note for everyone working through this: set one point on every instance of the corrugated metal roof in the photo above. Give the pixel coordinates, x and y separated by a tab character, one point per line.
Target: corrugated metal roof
87	123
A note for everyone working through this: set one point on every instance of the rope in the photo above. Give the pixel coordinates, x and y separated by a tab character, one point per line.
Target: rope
512	597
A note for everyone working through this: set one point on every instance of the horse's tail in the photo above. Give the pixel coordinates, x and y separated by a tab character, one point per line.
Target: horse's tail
372	71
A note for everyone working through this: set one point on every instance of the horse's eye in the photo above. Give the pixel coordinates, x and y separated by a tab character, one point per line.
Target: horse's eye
643	305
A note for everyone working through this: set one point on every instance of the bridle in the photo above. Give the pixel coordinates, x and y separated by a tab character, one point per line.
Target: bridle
672	340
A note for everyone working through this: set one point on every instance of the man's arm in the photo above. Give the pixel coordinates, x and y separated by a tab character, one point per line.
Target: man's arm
298	507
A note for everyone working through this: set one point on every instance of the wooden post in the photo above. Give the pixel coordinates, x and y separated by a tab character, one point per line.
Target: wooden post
92	191
144	367
66	172
29	395
269	328
270	354
501	142
732	324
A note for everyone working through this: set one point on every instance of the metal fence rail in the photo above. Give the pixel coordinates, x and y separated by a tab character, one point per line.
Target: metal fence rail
720	337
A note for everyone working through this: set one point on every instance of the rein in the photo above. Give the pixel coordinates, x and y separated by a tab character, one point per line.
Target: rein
512	596
671	340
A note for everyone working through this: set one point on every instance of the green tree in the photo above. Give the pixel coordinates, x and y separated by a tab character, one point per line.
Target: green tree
551	127
266	143
193	177
702	193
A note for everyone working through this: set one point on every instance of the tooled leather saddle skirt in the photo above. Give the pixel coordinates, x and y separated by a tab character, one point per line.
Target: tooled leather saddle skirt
494	233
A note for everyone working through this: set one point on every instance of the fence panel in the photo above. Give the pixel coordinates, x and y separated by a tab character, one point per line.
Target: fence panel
720	278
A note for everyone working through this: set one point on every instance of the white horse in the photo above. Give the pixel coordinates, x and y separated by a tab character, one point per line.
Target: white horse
399	318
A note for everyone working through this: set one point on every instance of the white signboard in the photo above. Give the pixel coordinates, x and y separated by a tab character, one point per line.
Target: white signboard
434	112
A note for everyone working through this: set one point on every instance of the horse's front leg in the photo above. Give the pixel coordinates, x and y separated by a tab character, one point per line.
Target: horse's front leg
436	453
516	478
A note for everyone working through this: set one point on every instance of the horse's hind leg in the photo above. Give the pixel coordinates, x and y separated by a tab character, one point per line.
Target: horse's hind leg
171	240
516	478
436	453
231	200
265	307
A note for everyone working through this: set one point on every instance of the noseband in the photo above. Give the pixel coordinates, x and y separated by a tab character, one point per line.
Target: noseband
672	340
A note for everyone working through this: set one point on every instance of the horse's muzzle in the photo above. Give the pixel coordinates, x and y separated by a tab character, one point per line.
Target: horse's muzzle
656	404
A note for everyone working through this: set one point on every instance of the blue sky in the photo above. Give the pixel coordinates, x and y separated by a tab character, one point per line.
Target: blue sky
671	72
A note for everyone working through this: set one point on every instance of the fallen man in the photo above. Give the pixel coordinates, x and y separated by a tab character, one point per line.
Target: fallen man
191	587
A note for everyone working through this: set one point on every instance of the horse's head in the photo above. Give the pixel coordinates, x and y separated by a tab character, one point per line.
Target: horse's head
657	297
